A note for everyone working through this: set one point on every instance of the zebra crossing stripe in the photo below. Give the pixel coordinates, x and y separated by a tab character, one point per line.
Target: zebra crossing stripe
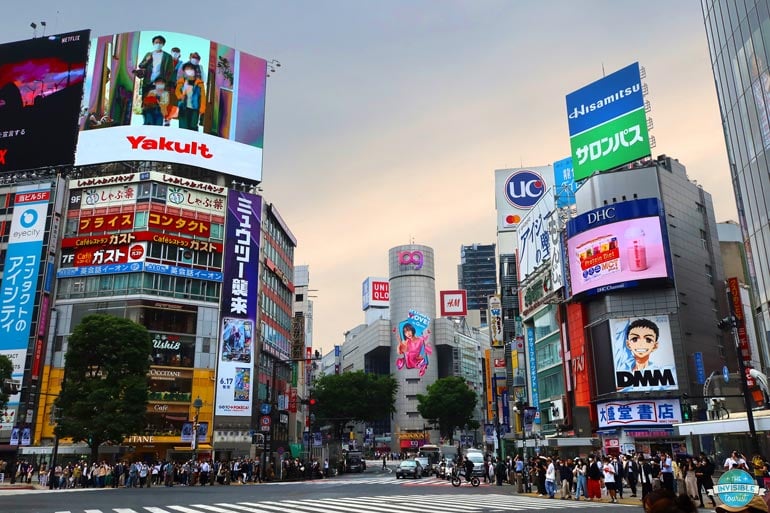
358	505
184	509
153	509
242	508
271	506
215	509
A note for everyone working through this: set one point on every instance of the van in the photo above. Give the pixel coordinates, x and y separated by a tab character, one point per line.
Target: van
479	466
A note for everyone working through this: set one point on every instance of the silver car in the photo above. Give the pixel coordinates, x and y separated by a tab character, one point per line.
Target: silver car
409	468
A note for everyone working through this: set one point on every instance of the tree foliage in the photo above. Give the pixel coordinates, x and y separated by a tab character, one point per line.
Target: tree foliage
450	403
6	372
105	387
353	397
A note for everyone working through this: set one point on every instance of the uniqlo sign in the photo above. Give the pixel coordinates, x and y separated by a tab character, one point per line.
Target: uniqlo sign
454	303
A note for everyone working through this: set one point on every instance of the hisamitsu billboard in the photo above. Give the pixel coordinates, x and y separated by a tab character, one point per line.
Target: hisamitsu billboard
176	98
609	97
608	123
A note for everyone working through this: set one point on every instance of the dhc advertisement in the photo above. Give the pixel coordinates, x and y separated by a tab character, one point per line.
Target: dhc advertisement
617	246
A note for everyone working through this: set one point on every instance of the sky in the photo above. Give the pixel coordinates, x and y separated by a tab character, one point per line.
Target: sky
386	120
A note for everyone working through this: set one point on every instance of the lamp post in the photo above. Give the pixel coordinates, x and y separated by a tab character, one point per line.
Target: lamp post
197	405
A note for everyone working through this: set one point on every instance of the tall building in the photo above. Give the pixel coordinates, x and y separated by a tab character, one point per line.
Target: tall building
477	275
738	35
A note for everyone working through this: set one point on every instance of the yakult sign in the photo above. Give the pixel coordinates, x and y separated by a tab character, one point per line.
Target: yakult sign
375	292
516	192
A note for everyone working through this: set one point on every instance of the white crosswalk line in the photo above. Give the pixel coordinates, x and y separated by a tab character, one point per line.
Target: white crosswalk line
184	509
153	509
358	505
242	508
271	506
92	511
215	509
124	510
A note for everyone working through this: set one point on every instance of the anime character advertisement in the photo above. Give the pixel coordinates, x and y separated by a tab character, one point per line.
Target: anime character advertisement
414	348
643	354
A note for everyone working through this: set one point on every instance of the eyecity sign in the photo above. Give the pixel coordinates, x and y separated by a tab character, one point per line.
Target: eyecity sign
607	122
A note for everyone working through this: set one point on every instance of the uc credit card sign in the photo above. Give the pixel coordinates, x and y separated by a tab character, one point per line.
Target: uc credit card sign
609	97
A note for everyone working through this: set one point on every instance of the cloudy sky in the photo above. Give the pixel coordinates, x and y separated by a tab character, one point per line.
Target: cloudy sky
387	119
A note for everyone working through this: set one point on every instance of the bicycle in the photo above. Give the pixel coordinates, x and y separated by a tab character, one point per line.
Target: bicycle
456	481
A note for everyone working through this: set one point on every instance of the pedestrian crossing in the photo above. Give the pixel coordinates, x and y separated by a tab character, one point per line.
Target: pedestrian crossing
466	503
381	480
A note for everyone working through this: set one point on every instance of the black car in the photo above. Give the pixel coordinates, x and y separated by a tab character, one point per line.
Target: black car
409	468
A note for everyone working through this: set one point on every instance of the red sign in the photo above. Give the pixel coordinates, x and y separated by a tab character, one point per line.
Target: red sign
109	255
126	238
293	400
454	303
106	223
174	223
743	338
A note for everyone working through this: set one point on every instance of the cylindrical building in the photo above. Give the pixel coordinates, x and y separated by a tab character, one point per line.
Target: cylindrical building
413	353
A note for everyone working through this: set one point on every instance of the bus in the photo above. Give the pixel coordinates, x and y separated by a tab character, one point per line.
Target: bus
433	454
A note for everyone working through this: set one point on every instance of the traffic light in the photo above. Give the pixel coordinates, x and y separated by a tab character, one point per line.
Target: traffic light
686	412
312	402
727	323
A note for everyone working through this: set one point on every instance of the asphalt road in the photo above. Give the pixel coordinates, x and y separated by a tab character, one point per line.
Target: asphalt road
374	491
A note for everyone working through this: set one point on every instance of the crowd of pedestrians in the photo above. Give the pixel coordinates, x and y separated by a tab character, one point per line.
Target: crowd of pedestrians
609	478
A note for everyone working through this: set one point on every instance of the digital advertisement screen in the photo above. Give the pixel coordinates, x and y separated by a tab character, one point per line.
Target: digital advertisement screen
41	87
643	354
616	247
170	97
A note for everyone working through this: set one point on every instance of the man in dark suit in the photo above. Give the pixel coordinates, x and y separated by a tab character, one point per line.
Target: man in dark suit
620	474
645	475
704	470
631	470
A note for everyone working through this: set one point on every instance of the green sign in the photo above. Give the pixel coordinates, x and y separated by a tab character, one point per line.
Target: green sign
612	144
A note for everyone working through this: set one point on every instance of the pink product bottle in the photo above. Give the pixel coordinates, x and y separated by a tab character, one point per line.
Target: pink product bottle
636	250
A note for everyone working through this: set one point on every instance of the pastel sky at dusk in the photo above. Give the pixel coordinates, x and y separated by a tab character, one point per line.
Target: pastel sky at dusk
387	119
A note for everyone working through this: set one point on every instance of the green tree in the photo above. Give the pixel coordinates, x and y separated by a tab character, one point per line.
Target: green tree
105	387
353	397
6	372
450	403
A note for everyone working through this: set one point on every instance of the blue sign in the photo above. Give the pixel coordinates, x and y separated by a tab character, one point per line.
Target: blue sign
136	267
264	409
633	209
606	99
737	488
533	372
523	188
700	369
726	374
564	182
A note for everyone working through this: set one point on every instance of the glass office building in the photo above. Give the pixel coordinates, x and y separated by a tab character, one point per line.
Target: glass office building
739	43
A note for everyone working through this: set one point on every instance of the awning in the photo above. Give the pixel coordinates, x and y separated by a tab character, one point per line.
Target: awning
201	447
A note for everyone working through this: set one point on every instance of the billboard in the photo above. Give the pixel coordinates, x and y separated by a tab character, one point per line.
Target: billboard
617	246
375	292
517	191
564	182
414	348
662	412
643	354
495	316
235	355
607	122
454	303
41	86
203	108
19	283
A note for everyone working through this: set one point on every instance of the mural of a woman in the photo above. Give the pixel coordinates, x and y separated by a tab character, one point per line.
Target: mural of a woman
413	350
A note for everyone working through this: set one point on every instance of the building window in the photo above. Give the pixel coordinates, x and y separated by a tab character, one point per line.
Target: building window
709	274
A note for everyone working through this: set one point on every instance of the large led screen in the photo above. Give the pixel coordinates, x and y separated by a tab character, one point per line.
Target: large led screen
41	86
643	354
176	98
617	246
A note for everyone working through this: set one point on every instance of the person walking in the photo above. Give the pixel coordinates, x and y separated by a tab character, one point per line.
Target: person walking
666	472
550	478
609	479
580	479
631	471
645	475
703	474
595	475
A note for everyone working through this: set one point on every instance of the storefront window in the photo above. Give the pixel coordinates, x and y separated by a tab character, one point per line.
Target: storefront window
173	350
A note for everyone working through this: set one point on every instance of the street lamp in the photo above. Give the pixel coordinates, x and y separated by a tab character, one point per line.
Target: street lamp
197	405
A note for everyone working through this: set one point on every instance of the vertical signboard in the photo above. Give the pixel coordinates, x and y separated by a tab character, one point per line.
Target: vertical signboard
534	387
235	355
495	316
21	270
564	182
737	308
608	123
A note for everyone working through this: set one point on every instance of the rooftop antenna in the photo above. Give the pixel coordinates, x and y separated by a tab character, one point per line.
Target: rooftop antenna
603	73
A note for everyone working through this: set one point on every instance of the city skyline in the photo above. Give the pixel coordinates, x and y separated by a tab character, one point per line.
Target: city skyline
388	120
